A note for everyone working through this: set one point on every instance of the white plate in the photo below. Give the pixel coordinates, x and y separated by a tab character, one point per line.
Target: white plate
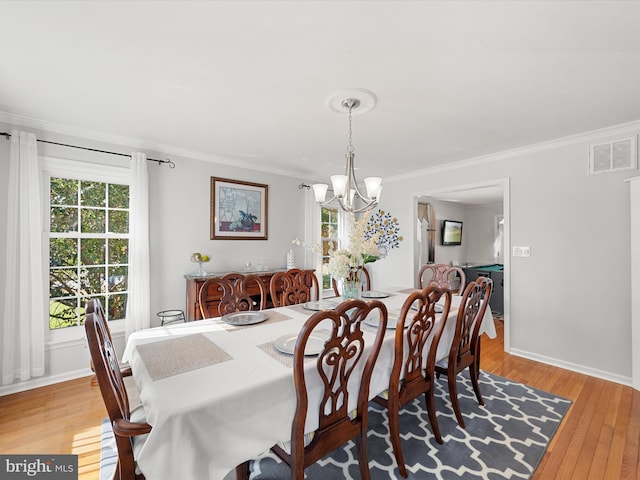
437	308
374	321
245	318
320	305
287	344
373	294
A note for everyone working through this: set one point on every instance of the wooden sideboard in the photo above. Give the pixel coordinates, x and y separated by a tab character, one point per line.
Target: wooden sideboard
194	283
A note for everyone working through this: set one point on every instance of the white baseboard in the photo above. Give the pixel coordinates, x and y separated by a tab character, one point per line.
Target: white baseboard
44	381
592	372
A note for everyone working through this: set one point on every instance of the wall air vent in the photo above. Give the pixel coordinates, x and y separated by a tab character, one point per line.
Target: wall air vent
613	156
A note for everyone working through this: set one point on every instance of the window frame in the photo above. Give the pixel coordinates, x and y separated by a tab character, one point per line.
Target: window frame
76	170
335	238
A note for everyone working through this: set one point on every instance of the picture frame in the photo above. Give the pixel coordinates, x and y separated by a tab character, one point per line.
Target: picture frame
451	232
239	210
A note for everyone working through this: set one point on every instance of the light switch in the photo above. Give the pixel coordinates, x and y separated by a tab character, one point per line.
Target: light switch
521	251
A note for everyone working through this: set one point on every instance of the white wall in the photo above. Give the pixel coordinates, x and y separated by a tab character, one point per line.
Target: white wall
570	304
449	211
480	233
179	226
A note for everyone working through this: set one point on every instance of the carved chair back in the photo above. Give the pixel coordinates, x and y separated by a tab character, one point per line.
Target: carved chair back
294	287
114	394
219	296
346	360
440	274
417	336
465	349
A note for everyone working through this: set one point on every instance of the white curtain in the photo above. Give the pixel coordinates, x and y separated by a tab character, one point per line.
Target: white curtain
312	236
138	303
24	321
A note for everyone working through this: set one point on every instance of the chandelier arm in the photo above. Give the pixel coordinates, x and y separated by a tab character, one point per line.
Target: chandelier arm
351	179
367	207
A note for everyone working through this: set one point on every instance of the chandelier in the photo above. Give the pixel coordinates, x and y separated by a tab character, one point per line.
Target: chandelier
345	187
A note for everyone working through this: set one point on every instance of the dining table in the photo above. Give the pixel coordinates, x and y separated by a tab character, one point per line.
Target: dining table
218	393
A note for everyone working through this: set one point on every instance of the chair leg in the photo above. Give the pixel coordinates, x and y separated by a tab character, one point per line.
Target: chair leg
363	456
242	471
394	432
297	471
429	398
453	396
473	374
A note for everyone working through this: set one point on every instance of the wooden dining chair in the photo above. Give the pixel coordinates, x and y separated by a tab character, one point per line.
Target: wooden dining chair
365	282
441	274
129	426
417	336
219	296
345	361
465	349
94	306
293	287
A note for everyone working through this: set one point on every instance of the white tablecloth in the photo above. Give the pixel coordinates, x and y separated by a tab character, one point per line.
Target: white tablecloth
212	418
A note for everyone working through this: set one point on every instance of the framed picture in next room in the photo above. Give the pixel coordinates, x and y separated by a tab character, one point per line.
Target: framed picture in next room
238	210
451	232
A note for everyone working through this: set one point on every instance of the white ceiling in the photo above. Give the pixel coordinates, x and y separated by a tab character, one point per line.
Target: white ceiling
250	81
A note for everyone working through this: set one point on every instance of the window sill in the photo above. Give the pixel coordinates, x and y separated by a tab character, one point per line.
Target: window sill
75	335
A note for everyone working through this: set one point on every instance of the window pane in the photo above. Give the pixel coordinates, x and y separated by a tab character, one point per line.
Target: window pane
63	313
118	251
118	196
92	251
83	303
328	246
63	282
87	209
93	194
63	252
329	215
64	191
64	219
93	221
117	306
118	221
92	280
117	279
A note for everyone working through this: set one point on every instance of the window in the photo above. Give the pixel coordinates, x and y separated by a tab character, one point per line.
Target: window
88	248
329	240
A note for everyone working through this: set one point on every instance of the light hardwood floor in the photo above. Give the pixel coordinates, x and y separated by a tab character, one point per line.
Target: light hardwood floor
599	438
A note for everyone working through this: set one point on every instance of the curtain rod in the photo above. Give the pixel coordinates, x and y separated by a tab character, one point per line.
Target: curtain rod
7	136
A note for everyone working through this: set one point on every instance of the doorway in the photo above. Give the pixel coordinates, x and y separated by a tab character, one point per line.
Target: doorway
462	201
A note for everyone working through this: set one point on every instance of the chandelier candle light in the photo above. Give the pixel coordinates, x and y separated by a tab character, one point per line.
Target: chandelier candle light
345	187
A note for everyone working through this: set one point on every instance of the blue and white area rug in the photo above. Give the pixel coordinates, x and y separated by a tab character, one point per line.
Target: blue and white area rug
505	439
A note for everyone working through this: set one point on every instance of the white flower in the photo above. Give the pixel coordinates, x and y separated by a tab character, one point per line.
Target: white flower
345	262
341	264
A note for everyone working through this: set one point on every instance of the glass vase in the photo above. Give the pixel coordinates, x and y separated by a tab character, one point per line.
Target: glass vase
351	289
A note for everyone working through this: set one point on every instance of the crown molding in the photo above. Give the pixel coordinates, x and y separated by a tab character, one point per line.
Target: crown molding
132	143
630	128
623	129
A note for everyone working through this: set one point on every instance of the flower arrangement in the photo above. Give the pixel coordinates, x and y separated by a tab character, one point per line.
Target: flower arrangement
346	263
